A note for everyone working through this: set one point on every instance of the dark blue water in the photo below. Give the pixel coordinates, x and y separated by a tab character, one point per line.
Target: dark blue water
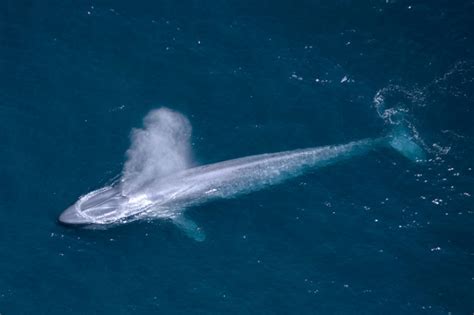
372	235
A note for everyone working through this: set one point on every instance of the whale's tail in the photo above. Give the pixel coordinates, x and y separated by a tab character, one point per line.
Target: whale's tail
404	142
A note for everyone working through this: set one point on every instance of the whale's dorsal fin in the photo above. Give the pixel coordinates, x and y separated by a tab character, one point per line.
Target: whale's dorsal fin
189	227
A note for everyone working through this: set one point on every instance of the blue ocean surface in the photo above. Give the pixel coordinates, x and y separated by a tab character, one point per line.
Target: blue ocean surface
376	234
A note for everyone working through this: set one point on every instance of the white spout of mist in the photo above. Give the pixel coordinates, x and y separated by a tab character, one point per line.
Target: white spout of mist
158	149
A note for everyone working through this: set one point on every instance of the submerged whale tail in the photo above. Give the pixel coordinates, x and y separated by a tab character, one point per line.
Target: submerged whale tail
404	142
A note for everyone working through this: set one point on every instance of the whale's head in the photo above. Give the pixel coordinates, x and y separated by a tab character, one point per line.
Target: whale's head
100	206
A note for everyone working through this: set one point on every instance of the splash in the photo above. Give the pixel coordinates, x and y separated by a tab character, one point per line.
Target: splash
394	101
158	149
436	102
396	106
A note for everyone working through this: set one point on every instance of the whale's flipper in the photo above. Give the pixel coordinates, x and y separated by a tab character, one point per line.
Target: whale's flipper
190	228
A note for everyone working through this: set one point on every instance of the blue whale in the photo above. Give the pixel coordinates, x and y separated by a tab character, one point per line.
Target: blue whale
158	181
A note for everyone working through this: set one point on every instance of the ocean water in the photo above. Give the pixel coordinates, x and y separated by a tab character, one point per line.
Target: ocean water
372	235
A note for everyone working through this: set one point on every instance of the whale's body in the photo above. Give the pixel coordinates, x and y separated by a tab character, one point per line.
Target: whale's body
168	196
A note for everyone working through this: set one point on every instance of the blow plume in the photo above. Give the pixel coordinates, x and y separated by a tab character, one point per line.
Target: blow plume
158	149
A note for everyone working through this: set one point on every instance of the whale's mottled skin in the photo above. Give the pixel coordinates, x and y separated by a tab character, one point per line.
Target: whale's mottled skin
168	196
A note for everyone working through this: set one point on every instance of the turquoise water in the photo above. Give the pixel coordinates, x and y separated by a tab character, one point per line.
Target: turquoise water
376	234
